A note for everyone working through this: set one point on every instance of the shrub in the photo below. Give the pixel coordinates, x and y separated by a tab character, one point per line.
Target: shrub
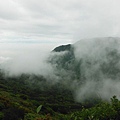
30	116
102	111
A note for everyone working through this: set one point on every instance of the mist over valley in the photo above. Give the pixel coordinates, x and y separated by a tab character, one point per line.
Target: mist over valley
89	67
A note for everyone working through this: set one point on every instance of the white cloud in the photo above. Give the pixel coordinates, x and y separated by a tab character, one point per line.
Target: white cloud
56	21
4	59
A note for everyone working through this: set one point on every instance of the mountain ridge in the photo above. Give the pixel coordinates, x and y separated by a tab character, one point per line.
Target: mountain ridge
90	64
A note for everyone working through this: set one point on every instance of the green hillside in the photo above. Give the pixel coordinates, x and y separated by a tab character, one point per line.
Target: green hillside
18	100
84	86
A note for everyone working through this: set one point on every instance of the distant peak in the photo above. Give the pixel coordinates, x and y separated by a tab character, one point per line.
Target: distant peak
62	48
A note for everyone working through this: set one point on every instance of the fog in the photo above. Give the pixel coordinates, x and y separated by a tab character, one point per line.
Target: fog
92	70
18	58
100	68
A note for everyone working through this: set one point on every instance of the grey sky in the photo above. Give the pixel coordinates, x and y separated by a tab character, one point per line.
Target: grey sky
57	22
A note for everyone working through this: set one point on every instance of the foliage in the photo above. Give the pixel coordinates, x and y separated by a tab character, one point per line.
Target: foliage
18	100
30	116
19	96
102	111
39	108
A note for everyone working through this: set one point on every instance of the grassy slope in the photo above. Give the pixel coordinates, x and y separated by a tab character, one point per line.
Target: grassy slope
17	95
19	101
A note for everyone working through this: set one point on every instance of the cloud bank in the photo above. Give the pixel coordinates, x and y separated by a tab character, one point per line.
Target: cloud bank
91	70
100	68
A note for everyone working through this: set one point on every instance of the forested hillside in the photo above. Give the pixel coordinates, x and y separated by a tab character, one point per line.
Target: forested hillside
21	99
84	85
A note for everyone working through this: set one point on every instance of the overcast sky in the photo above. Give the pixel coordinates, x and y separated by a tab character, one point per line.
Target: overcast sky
57	22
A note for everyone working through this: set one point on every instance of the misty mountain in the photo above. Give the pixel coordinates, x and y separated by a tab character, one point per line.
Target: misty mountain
89	65
79	78
102	51
88	68
63	48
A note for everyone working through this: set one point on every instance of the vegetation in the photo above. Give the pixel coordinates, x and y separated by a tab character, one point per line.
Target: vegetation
22	101
32	97
63	48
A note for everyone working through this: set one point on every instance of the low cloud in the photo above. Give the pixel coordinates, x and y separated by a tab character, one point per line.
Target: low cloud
91	70
18	58
99	69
